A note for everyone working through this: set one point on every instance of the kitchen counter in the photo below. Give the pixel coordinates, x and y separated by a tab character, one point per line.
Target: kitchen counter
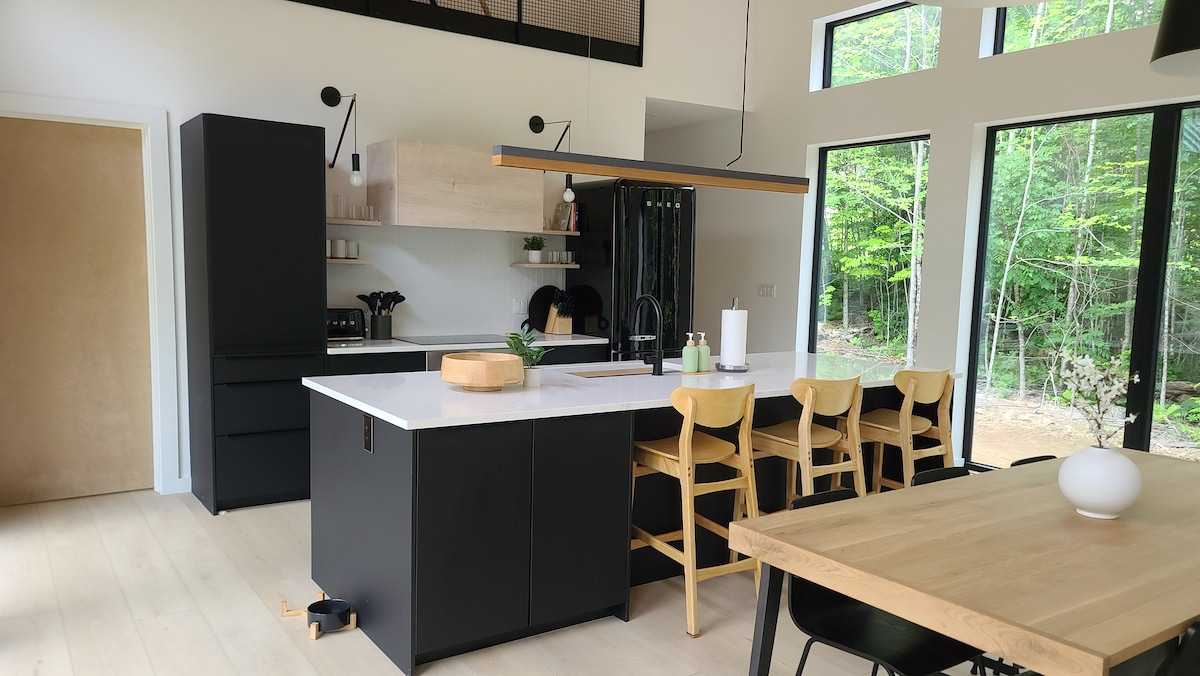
414	401
401	345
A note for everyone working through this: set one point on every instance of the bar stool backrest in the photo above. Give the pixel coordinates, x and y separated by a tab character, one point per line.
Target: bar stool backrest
715	408
829	397
927	386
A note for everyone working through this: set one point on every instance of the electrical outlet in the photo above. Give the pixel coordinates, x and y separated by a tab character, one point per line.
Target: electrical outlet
766	290
518	308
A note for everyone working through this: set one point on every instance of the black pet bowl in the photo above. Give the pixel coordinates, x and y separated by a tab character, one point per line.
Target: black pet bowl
329	614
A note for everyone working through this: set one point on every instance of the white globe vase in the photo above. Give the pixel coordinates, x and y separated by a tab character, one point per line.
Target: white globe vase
1100	482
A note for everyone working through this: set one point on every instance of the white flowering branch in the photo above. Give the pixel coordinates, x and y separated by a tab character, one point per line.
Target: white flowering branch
1095	391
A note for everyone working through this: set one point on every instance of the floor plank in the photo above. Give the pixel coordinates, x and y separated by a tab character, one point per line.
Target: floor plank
139	583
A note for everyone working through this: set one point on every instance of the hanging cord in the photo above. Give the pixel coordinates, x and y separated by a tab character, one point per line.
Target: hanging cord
354	100
745	70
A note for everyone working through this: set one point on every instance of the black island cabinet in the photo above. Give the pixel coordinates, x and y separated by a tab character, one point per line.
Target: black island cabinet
450	539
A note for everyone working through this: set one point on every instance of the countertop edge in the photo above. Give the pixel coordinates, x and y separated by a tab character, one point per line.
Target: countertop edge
397	345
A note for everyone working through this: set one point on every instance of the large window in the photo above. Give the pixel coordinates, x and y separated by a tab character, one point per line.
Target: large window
1026	26
1073	259
871	209
891	41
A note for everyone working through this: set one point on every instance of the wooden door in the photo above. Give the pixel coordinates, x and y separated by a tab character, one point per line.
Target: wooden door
75	349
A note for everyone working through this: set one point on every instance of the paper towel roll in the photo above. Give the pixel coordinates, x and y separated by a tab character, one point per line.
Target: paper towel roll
733	337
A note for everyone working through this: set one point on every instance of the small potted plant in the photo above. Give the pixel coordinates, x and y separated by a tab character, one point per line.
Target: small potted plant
534	245
521	344
1099	481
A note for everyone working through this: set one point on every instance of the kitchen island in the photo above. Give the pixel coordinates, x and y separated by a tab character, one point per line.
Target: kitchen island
453	520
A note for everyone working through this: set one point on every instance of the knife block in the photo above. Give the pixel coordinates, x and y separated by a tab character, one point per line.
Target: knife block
558	325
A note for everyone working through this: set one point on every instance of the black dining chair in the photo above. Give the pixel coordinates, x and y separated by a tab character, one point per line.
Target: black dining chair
940	474
1030	461
1179	657
891	643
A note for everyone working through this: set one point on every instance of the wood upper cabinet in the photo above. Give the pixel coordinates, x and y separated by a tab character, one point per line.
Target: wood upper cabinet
448	186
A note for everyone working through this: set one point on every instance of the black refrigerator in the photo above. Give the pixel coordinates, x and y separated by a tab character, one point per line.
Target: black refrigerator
254	262
634	238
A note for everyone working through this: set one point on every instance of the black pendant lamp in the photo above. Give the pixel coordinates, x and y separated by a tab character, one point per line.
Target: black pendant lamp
1177	51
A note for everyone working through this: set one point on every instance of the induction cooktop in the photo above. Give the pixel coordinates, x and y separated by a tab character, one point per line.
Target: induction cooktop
455	340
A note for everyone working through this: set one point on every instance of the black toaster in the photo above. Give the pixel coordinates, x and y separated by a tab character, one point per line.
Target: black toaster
343	323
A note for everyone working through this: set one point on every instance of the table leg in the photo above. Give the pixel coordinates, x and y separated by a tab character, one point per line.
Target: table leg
765	621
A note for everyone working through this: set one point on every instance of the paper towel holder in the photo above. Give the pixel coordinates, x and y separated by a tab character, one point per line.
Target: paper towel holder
741	368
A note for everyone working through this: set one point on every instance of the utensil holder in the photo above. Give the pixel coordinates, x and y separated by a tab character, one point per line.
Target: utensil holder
381	327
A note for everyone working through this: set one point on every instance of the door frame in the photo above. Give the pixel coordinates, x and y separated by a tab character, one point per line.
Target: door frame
172	466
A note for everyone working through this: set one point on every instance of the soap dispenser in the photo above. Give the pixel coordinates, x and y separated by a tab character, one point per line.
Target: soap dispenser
704	354
691	356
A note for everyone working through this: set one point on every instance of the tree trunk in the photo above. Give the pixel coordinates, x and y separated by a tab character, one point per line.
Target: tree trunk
1012	250
1021	359
916	254
845	302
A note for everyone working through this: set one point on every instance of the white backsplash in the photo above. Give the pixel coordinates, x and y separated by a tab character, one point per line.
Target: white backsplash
455	281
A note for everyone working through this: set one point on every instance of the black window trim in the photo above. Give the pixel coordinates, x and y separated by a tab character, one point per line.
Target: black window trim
827	65
815	286
1001	27
492	28
1154	256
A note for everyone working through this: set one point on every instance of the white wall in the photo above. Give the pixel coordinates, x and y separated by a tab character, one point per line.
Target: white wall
955	103
270	58
736	254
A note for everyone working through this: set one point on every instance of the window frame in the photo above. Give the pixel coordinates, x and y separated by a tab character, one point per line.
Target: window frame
815	286
1152	266
1002	29
493	28
830	27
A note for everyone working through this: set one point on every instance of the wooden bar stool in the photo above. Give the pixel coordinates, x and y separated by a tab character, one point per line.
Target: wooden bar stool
679	456
897	428
796	439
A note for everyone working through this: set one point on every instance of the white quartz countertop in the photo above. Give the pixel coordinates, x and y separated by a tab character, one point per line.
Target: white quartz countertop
401	345
422	400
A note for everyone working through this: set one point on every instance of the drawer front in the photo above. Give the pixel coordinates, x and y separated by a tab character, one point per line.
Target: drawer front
244	408
258	469
257	369
395	362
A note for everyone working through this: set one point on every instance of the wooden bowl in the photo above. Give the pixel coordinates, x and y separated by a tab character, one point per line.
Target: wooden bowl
482	371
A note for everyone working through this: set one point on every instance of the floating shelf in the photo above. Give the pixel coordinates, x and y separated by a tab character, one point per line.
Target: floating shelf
346	261
353	221
548	266
566	233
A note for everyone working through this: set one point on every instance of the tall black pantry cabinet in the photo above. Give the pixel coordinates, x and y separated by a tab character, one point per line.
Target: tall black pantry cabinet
254	230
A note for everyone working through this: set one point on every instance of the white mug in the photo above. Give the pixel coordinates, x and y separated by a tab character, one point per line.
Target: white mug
328	248
352	248
339	248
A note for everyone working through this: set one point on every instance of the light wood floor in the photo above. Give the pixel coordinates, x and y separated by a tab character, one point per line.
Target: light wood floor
137	583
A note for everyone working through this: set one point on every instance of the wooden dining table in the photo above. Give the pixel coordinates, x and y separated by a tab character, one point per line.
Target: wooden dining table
1001	561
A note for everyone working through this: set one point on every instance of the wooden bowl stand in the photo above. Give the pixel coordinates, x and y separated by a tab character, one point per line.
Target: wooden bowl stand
314	629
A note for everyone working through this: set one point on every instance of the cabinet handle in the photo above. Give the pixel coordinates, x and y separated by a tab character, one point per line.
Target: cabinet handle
368	434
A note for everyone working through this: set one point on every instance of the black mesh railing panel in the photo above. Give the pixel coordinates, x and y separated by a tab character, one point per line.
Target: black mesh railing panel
500	9
615	20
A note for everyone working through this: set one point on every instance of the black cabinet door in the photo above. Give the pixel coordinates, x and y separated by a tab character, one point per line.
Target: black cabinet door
473	516
257	469
580	354
244	408
580	551
265	211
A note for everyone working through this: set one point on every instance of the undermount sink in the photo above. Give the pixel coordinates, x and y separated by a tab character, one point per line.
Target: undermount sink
614	373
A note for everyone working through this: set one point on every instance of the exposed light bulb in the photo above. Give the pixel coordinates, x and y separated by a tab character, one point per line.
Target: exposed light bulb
356	177
568	195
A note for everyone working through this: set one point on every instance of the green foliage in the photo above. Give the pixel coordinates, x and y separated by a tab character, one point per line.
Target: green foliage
534	243
1056	21
521	344
897	42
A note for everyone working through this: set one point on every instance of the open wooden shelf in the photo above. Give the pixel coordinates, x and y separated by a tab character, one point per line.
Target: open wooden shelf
548	266
346	261
353	221
565	233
